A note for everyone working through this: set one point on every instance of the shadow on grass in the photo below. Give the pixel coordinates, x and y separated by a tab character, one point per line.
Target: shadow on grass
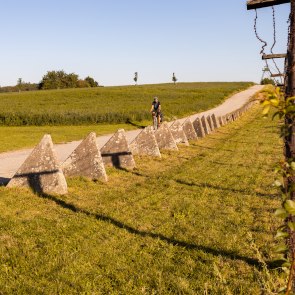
132	171
214	148
230	164
135	124
121	225
240	191
34	181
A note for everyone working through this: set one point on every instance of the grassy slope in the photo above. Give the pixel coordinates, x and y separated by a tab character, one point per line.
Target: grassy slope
110	104
176	225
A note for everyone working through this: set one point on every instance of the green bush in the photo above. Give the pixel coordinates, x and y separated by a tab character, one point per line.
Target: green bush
267	81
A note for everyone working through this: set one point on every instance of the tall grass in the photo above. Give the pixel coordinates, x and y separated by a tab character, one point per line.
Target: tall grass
110	104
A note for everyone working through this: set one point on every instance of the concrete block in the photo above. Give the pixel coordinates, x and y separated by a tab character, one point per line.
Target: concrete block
215	121
133	147
86	160
229	118
117	153
41	171
199	128
189	129
210	123
164	138
178	133
145	143
224	120
220	120
205	125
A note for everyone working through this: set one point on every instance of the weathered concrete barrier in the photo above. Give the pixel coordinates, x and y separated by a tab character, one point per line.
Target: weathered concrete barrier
225	119
229	118
189	129
222	120
117	153
199	128
41	171
164	138
178	133
210	123
86	160
145	143
215	121
205	125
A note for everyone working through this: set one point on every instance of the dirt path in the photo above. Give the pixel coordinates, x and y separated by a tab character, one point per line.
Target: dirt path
11	161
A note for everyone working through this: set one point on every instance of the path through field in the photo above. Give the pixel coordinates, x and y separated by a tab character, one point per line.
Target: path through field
11	161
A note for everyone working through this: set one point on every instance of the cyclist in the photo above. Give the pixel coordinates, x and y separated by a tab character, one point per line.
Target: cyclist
156	110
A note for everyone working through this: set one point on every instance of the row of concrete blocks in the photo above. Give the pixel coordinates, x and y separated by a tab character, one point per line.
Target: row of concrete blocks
42	172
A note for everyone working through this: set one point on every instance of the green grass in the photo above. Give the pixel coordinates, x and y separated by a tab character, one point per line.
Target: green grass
19	137
110	104
183	224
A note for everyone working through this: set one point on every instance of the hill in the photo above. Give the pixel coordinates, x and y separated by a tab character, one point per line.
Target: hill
110	104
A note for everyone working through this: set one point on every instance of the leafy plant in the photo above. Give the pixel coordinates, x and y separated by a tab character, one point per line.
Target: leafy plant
267	81
285	249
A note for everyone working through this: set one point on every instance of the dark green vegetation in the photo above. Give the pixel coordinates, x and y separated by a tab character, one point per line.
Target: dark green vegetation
62	80
267	81
194	222
110	104
52	80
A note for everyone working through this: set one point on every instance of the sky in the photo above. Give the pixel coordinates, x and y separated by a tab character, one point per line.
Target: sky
110	40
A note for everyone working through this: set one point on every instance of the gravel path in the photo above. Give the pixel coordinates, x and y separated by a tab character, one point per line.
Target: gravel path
11	161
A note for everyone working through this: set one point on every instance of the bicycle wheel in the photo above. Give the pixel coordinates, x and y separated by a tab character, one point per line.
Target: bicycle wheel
155	122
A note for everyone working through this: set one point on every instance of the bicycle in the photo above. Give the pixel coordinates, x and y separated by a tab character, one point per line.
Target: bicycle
155	120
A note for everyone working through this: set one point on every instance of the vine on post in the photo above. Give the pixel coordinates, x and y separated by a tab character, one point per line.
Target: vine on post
285	250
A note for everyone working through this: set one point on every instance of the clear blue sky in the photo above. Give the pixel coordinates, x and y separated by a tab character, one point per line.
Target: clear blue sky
111	39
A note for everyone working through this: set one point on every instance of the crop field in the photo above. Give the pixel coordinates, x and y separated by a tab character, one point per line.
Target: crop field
110	104
197	221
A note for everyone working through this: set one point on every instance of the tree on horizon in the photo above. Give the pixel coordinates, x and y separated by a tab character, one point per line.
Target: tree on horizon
174	79
135	77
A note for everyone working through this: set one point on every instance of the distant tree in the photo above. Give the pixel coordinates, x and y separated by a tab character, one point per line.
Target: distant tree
135	77
91	82
266	81
174	79
83	84
52	80
59	80
19	84
70	80
29	86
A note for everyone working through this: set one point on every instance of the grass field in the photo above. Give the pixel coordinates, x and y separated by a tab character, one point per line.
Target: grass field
19	137
189	223
110	104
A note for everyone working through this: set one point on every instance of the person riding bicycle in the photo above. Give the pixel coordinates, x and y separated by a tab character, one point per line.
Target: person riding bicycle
156	109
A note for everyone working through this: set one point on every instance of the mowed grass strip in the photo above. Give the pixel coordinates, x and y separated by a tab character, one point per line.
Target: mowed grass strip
111	104
183	224
20	137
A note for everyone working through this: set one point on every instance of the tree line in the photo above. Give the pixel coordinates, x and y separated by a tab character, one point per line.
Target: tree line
60	80
53	80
